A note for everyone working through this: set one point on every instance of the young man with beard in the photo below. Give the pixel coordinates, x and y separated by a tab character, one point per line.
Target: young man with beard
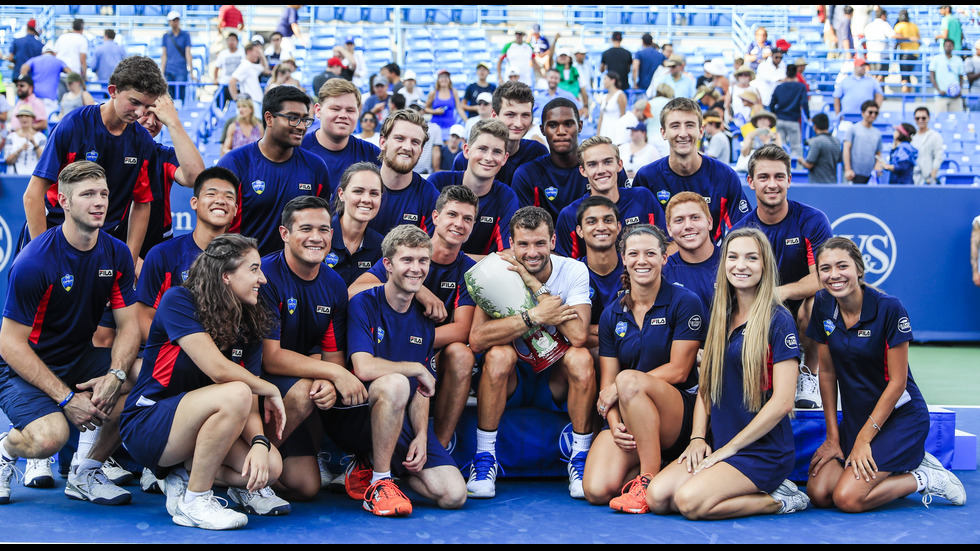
408	198
447	302
338	107
275	169
513	104
686	169
486	153
553	181
795	231
600	164
561	287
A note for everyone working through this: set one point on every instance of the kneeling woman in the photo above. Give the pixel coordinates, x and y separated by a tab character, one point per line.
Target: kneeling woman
195	404
648	345
863	338
747	387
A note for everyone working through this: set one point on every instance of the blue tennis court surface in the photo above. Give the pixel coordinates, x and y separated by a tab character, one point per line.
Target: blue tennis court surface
524	511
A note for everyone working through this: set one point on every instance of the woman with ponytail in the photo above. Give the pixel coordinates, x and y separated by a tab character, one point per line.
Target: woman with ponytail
356	247
195	405
747	387
648	345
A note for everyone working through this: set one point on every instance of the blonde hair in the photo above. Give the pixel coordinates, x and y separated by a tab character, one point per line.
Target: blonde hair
336	87
594	141
755	343
247	102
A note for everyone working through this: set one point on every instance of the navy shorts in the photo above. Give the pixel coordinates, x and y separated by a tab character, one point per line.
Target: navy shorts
300	442
350	430
24	403
145	431
533	389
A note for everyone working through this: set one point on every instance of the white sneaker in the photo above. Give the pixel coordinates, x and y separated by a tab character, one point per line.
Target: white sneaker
576	468
207	512
174	487
8	470
263	502
337	484
149	483
940	482
807	389
326	476
92	485
483	476
116	474
791	498
38	473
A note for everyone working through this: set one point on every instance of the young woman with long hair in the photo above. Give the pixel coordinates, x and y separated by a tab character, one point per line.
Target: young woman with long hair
356	247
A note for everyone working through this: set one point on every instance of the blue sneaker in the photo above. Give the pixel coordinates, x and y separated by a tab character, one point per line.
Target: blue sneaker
483	476
576	468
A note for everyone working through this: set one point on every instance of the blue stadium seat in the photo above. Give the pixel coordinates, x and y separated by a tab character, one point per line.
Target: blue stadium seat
468	15
418	15
376	15
495	14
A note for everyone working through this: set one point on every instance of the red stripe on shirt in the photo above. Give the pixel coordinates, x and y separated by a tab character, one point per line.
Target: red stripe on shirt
724	218
329	341
886	362
163	289
537	197
169	177
810	261
163	368
495	239
42	309
236	223
116	299
141	191
575	249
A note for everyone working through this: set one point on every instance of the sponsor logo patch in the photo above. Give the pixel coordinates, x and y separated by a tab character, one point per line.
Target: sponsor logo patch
904	325
828	327
864	332
129	161
663	196
790	341
381	334
793	241
67	281
658	321
551	192
258	186
743	206
694	323
106	273
415	340
92	156
331	259
621	329
322	309
291	304
306	187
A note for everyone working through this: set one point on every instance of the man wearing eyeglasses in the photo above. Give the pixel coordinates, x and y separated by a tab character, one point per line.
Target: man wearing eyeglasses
275	169
862	143
245	79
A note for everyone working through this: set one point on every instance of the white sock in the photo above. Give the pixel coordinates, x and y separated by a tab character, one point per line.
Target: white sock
86	440
486	442
376	476
581	443
190	496
3	450
921	480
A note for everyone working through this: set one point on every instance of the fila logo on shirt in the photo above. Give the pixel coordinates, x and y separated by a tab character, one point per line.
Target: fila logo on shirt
793	241
633	220
366	265
658	321
410	217
486	220
129	161
415	340
322	309
106	273
447	285
864	332
236	352
306	187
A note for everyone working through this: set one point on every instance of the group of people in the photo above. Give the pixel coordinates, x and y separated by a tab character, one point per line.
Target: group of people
322	295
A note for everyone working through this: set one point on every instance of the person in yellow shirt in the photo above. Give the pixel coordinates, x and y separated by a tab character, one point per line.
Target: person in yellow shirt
906	38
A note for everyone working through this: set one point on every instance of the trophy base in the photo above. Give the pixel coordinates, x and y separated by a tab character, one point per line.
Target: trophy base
539	360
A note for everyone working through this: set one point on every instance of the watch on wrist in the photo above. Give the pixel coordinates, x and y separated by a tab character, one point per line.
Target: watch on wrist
118	374
543	290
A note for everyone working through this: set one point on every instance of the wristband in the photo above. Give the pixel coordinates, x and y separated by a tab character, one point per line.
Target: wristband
527	318
260	439
698	438
873	424
71	394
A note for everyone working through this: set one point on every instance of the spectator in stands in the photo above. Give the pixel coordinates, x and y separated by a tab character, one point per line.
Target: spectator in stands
791	106
636	115
227	61
443	103
25	47
369	129
484	111
245	79
25	96
476	89
646	61
707	97
845	37
333	70
771	72
639	151
862	145
852	92
932	152
107	55
274	52
176	62
541	48
355	61
288	26
972	69
230	20
902	160
72	48
613	106
244	128
877	35
951	29
452	147
410	90
46	70
736	110
585	78
553	90
4	115
750	102
717	144
24	145
392	74
946	73
714	76
906	39
75	97
759	50
283	74
518	54
764	134
570	81
668	50
617	59
431	156
824	153
663	94
800	64
681	82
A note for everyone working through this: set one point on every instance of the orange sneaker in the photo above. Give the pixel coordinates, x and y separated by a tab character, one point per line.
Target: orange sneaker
357	478
634	498
384	499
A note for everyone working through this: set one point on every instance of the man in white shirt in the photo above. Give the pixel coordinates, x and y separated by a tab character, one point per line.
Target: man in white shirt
877	36
518	55
245	79
72	49
411	92
770	73
227	61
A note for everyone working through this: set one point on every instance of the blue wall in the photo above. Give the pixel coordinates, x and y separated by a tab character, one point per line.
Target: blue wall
916	243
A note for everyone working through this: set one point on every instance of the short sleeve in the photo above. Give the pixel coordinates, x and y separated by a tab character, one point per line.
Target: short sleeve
178	315
688	316
578	284
607	339
816	329
26	289
898	328
123	291
783	340
270	296
360	329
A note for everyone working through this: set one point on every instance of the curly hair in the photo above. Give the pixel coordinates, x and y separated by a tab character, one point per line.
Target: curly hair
222	315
